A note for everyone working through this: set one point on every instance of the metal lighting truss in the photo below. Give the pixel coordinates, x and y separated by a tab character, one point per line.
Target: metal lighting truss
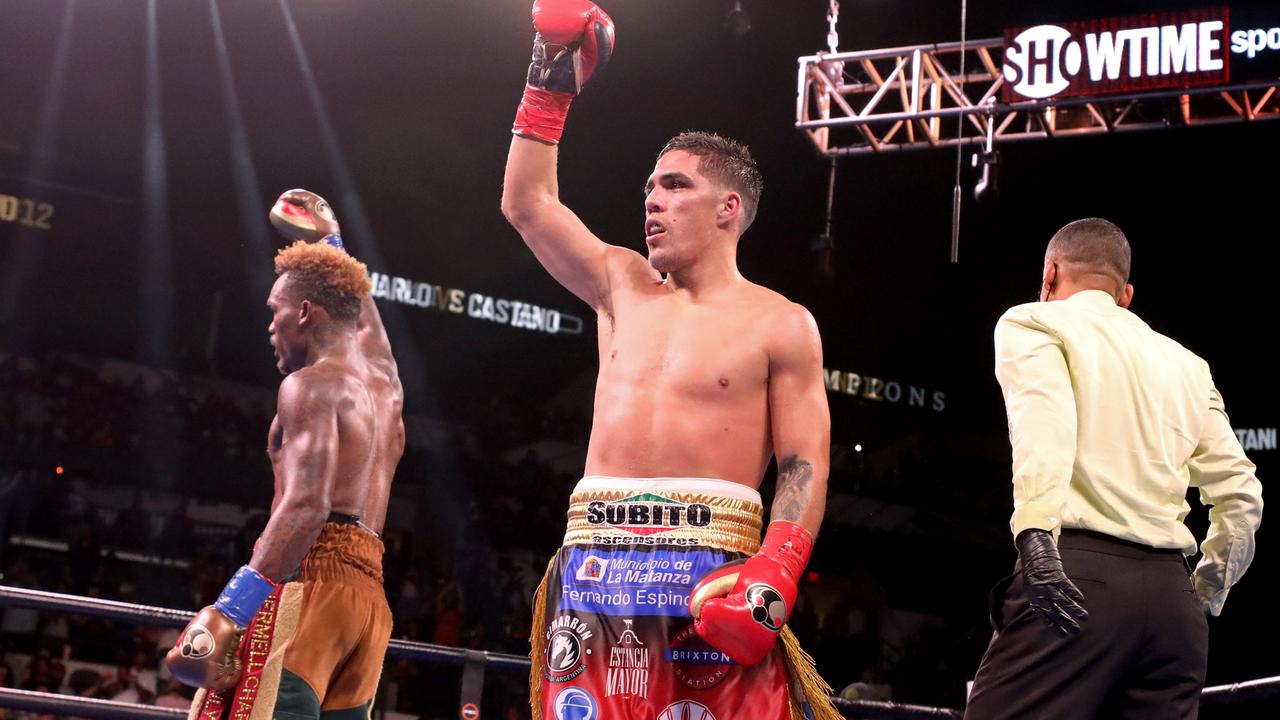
906	98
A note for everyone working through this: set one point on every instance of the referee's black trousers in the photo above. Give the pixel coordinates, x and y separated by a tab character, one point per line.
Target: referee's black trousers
1141	655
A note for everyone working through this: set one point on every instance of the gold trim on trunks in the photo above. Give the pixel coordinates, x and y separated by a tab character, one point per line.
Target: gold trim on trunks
660	518
729	520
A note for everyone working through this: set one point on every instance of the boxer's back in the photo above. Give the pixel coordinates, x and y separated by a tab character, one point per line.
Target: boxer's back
368	401
377	434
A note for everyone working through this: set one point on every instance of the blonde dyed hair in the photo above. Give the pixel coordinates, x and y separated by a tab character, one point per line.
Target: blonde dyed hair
326	276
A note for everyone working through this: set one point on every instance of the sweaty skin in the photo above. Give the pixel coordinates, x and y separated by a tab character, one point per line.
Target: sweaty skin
338	432
702	373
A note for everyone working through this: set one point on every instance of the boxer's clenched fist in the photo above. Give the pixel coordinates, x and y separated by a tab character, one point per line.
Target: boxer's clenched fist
740	607
573	42
303	215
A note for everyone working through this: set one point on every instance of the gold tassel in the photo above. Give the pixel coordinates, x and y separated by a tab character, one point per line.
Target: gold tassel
813	689
538	643
197	704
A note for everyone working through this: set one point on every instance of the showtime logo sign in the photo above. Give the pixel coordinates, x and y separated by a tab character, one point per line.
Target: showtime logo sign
1118	55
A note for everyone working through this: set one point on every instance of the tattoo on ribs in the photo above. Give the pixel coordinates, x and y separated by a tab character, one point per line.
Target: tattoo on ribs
794	476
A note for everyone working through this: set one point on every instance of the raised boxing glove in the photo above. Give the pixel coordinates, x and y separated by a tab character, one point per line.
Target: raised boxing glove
574	40
303	215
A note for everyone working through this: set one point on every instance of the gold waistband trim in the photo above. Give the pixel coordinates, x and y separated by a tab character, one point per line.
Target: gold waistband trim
663	518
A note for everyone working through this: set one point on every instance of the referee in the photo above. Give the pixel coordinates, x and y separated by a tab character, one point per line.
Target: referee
1110	423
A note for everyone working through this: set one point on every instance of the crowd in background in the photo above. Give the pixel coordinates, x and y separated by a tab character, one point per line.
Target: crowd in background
100	472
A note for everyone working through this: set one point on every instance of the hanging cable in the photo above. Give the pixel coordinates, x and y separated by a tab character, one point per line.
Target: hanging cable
831	197
986	157
825	245
955	193
833	37
834	69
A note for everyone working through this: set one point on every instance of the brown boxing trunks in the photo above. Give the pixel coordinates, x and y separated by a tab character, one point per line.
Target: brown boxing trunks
315	649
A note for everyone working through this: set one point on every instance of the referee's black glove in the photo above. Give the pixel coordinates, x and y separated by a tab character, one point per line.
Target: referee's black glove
1053	596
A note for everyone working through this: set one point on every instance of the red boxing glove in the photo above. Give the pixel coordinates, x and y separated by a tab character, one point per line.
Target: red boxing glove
740	607
574	41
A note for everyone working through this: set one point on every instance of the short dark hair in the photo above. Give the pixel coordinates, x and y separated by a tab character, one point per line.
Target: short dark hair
727	162
326	276
1094	246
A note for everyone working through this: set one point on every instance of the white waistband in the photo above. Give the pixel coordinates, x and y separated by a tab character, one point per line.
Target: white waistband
709	486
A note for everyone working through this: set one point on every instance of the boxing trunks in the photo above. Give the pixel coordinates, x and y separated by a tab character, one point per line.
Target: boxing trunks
316	647
612	635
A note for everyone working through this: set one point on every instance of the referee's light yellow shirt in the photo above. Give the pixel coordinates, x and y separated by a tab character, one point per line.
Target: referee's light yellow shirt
1110	422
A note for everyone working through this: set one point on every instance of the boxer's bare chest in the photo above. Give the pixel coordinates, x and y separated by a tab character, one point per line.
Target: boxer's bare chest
709	352
682	391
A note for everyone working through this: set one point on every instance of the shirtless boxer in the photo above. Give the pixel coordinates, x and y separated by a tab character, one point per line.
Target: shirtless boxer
311	600
704	378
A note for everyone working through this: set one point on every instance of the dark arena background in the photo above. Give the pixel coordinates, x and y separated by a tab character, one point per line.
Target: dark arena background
142	143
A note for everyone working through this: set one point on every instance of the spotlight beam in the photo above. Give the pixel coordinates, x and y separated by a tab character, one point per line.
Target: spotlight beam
155	307
407	351
249	197
25	251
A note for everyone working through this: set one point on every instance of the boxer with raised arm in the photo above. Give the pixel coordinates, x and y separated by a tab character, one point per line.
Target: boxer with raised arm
663	601
301	630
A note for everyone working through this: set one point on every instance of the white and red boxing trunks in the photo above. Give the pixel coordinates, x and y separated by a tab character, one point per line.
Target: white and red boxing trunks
612	634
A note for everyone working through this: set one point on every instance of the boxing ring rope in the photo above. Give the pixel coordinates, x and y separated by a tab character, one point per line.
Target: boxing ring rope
1218	695
1260	689
40	702
168	617
878	710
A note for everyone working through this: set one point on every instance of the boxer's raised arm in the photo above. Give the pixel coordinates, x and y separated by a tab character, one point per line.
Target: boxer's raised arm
575	257
303	215
573	40
373	339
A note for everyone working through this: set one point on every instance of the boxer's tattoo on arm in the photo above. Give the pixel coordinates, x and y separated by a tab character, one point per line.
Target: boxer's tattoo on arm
280	553
795	474
305	469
